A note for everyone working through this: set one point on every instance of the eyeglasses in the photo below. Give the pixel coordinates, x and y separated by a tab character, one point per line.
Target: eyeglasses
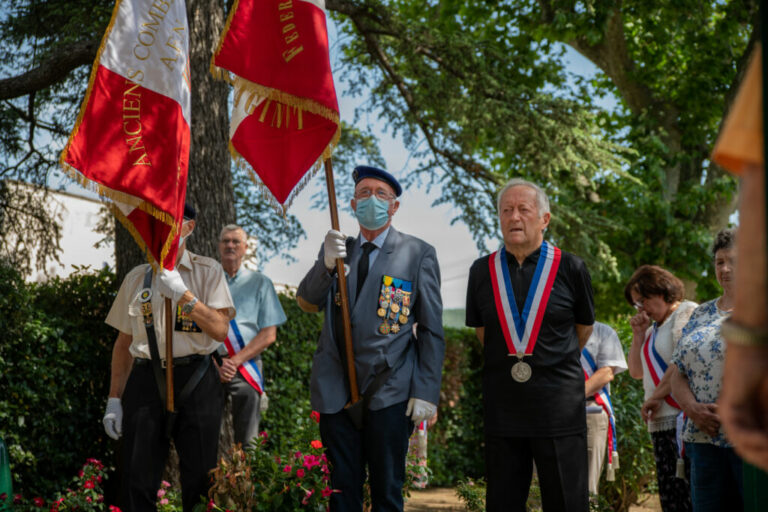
640	304
365	193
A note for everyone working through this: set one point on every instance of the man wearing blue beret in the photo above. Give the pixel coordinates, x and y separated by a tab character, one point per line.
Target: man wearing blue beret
396	314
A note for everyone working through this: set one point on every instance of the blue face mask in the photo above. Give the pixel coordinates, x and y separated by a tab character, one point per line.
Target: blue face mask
372	213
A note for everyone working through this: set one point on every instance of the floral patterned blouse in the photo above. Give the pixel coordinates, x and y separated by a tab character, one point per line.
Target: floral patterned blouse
700	356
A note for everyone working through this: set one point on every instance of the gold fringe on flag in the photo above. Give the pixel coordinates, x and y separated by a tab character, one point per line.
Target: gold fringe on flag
303	182
110	196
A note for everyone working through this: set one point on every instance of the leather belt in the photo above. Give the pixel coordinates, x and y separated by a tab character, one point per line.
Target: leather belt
177	361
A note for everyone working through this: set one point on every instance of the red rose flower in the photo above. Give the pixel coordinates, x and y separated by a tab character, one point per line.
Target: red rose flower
315	416
300	473
316	444
39	502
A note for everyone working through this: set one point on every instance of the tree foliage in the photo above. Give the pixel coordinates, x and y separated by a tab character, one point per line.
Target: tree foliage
482	92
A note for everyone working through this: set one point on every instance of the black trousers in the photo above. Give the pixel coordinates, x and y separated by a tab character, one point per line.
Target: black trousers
561	465
145	446
382	445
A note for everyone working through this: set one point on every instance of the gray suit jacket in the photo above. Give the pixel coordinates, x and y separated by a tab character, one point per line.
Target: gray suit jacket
401	257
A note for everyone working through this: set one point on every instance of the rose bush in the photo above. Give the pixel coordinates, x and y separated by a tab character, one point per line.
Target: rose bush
261	478
85	494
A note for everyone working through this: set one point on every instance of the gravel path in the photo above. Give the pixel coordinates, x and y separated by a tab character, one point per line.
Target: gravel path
445	500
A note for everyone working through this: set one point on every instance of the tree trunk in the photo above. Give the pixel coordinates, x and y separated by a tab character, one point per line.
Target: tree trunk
209	187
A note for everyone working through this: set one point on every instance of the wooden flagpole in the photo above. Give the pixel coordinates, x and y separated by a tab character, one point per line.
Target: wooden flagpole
354	392
168	356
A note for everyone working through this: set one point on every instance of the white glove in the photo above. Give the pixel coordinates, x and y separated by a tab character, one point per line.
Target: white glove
170	284
420	410
335	246
113	418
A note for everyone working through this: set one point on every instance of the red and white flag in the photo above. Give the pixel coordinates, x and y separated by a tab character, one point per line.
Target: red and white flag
285	118
131	139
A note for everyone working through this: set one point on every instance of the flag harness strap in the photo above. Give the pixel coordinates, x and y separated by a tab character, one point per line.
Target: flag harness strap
193	380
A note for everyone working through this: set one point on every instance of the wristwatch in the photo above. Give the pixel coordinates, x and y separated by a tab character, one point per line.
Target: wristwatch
740	334
187	308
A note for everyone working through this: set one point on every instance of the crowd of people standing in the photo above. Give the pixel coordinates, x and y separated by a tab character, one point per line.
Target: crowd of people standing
547	365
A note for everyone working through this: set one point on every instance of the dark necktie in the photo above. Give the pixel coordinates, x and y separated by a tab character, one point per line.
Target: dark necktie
362	266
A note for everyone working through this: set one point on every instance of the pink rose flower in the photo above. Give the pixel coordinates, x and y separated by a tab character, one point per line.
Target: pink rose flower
300	473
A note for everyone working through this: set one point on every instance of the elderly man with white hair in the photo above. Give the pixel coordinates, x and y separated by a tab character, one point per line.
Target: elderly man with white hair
252	331
532	307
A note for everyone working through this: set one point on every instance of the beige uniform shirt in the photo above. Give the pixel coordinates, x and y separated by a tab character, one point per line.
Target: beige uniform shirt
205	279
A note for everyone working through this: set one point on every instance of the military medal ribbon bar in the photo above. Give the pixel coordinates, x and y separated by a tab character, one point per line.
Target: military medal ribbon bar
521	330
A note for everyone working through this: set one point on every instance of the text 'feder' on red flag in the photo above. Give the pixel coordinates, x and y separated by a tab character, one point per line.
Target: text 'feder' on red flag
285	118
131	139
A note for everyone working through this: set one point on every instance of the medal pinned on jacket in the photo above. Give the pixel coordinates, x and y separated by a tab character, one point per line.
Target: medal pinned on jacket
394	304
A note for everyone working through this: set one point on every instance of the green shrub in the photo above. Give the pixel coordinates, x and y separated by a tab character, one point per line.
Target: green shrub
455	450
54	367
287	367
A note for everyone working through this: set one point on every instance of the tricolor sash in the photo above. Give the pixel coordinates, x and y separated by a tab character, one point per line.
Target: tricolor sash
603	399
656	365
249	369
521	331
679	427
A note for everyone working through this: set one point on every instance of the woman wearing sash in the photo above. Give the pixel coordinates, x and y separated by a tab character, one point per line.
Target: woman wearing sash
657	328
716	475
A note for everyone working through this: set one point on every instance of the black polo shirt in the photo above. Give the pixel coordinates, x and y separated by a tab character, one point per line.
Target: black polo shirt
551	403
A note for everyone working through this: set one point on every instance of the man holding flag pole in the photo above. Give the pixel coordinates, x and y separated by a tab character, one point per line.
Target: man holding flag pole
131	145
285	121
136	408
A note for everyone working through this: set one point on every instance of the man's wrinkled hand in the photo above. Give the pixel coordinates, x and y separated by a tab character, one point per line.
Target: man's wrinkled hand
743	402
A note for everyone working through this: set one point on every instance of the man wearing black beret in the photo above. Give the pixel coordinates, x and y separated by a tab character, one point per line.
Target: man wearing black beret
136	407
396	314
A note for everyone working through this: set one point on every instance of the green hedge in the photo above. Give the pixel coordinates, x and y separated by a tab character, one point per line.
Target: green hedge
54	375
455	442
287	366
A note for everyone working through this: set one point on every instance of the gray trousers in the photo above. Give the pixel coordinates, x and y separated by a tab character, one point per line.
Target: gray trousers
246	412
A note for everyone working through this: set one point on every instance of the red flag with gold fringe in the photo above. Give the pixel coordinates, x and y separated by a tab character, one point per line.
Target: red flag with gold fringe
131	139
285	117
